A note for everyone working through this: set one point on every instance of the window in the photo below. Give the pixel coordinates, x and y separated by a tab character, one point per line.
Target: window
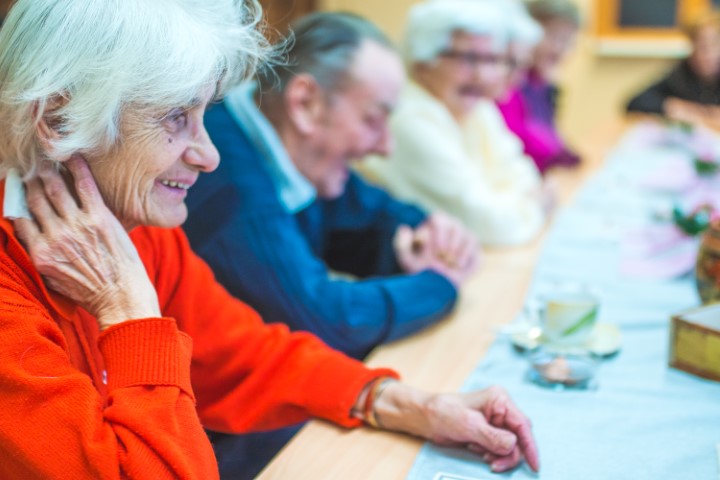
647	14
645	27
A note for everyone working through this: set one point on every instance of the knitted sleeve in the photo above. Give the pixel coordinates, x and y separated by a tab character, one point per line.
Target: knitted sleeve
56	423
247	375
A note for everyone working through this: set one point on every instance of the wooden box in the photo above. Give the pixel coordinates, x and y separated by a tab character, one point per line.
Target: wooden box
695	341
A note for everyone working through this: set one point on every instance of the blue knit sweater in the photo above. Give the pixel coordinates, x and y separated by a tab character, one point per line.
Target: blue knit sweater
280	263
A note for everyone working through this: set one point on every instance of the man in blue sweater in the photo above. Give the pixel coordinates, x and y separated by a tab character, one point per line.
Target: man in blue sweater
283	212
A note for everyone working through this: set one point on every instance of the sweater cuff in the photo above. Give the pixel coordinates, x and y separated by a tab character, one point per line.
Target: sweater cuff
419	300
147	352
342	395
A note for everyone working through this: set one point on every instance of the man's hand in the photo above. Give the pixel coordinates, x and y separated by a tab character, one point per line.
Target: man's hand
441	244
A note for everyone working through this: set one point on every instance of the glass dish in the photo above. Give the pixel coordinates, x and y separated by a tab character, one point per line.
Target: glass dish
562	370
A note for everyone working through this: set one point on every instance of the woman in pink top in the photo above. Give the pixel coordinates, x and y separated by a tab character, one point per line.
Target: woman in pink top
530	104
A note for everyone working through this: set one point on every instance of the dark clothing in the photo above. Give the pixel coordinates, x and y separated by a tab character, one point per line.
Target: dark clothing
682	82
242	457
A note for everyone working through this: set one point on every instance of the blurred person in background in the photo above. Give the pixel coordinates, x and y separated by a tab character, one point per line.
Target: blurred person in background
453	151
530	106
690	92
525	34
286	225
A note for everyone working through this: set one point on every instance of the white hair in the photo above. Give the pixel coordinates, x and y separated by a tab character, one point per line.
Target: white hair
545	10
524	29
83	64
431	24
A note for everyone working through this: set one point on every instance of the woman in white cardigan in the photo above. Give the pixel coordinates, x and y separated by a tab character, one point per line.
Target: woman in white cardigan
453	150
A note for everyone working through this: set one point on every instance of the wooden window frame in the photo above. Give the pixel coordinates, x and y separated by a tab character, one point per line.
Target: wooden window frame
607	13
616	40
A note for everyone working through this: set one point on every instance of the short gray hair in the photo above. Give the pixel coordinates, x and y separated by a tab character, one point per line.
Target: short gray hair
547	10
103	58
431	24
324	45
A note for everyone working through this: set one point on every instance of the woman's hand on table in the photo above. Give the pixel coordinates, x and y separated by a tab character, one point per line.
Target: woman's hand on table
81	249
486	422
441	244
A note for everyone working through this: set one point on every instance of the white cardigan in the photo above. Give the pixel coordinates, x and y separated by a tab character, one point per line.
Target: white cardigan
476	171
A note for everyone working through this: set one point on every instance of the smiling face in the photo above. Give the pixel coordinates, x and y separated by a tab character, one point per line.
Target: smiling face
353	122
473	67
144	180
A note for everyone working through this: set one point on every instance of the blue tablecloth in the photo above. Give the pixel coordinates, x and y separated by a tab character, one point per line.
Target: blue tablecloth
644	421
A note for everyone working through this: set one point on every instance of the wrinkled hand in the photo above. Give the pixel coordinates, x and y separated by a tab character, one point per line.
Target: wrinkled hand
485	422
81	249
441	244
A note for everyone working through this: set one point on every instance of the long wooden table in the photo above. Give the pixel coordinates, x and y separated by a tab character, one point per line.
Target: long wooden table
437	359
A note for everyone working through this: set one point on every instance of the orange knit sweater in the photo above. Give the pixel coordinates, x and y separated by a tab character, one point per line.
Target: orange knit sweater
131	402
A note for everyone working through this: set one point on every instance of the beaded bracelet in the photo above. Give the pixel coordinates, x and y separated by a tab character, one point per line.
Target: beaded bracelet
376	389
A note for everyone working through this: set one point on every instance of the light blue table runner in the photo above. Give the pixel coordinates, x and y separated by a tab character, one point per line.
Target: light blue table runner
645	421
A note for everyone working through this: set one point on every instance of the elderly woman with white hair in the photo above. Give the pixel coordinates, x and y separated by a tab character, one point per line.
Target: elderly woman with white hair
117	344
453	151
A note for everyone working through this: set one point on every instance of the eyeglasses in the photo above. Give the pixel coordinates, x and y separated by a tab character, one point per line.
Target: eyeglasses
474	59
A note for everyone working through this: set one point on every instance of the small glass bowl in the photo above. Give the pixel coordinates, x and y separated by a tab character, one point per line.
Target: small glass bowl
561	370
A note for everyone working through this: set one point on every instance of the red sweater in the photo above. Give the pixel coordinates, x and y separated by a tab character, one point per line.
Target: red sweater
131	402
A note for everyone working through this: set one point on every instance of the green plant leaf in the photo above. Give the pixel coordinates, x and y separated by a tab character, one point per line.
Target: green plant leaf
692	224
706	168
